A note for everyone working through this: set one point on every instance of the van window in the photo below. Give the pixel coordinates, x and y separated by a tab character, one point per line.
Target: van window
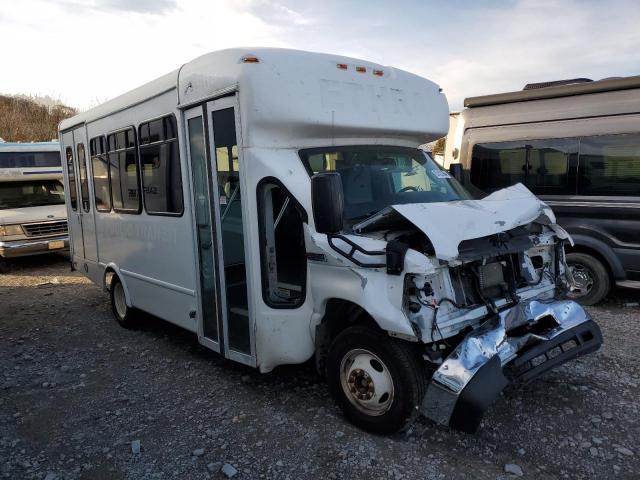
160	161
29	159
73	194
610	165
33	193
542	165
282	250
84	181
123	170
100	170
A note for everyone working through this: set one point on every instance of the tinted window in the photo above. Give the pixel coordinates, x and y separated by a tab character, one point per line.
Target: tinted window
542	165
29	159
123	170
73	194
610	165
100	170
160	161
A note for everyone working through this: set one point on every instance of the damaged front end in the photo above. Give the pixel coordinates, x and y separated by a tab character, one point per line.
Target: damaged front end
515	345
487	303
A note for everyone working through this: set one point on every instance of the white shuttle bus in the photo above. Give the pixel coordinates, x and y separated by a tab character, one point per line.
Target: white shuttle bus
276	203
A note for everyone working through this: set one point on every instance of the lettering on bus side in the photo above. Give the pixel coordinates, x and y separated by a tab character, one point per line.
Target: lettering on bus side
336	95
146	232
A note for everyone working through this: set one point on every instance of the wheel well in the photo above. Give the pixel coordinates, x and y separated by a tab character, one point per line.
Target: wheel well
109	273
339	315
594	253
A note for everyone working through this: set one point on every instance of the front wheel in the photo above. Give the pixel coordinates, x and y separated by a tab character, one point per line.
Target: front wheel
591	278
376	380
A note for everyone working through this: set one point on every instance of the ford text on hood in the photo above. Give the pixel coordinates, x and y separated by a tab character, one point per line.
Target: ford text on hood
482	287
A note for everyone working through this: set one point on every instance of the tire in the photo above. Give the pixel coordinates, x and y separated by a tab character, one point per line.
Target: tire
4	265
377	381
591	276
124	315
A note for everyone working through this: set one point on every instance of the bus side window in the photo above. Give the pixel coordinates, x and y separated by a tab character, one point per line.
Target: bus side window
123	171
282	251
73	193
100	172
84	181
160	162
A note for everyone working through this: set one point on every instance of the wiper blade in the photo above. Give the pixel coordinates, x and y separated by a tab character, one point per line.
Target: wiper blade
364	216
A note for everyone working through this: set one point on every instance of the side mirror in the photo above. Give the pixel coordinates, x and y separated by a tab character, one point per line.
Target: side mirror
327	202
457	172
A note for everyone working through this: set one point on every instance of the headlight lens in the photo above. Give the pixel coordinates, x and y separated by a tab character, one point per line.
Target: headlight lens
8	230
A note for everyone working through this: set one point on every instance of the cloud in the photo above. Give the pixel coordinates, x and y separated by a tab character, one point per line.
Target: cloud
154	7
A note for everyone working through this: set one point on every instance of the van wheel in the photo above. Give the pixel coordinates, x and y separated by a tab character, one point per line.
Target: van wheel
124	315
591	278
4	267
376	380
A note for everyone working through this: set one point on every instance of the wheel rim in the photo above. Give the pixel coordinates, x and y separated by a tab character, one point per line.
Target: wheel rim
119	300
584	280
367	382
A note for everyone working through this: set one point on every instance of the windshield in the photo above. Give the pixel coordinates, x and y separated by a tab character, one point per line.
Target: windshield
32	193
374	177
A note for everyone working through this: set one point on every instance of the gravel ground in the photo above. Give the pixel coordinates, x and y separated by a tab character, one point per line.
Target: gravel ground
82	398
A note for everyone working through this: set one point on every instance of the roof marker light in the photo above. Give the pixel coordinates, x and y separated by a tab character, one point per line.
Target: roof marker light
342	66
361	69
250	59
378	73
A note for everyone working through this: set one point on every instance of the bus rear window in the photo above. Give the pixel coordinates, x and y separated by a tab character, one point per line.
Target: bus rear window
34	193
29	159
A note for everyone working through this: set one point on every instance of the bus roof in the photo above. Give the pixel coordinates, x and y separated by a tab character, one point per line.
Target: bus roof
606	85
302	93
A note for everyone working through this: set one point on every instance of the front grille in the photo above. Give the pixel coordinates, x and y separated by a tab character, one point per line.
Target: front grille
45	228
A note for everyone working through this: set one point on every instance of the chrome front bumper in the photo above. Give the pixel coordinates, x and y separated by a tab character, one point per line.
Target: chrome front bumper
514	346
34	246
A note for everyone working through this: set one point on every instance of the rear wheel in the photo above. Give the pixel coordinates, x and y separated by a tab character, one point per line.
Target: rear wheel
591	278
4	267
376	380
124	315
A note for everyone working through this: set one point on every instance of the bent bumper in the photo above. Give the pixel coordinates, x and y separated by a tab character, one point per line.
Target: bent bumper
35	246
515	346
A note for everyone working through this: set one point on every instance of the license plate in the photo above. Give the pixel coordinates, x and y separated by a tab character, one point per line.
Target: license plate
56	244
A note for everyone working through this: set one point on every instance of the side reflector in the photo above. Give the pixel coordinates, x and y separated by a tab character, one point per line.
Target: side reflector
342	66
361	69
250	59
378	73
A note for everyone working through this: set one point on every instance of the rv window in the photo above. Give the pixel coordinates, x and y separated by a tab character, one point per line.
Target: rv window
100	170
282	250
548	165
498	165
84	181
73	193
123	170
160	160
610	165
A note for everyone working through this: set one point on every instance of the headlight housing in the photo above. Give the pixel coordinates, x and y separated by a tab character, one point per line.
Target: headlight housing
8	230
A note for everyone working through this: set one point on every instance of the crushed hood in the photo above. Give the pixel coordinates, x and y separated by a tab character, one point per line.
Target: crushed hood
449	223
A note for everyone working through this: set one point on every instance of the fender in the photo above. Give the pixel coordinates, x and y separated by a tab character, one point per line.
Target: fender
603	249
123	281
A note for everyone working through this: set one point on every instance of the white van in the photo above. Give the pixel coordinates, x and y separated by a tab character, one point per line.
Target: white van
33	217
275	203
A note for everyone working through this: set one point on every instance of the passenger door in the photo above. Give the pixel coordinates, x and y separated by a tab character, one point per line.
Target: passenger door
226	321
85	208
73	205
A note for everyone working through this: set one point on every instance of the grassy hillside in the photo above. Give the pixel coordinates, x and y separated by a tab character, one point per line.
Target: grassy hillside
31	119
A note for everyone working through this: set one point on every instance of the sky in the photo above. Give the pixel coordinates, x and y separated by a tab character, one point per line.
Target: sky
85	52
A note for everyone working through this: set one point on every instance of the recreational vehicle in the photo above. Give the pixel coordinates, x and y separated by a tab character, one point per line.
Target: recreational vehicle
33	218
276	203
575	144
